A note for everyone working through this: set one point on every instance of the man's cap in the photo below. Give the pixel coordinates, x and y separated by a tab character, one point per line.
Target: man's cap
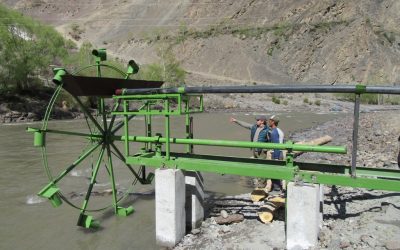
261	117
275	118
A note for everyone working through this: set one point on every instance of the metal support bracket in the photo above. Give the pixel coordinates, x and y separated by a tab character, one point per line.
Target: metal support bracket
121	211
87	221
51	192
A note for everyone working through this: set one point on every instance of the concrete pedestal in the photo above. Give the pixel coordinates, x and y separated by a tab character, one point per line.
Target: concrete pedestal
303	215
194	200
179	204
170	206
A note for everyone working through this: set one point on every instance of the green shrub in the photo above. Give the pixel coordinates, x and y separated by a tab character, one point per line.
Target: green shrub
390	37
282	29
305	100
27	48
370	98
276	100
76	31
317	102
270	50
168	70
394	100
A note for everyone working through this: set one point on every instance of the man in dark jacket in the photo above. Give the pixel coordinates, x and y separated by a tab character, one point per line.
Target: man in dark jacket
258	133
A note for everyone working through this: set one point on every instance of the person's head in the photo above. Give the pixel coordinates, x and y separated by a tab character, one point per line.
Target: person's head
261	120
273	121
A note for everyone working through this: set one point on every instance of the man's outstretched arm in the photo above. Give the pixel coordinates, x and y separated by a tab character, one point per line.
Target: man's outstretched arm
241	123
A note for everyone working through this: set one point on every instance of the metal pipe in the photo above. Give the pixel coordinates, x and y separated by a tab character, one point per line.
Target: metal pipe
355	135
238	144
292	88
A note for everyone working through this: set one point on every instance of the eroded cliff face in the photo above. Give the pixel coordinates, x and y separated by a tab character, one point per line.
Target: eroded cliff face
241	41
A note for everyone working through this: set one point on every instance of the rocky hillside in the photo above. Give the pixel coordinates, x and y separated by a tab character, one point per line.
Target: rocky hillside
240	41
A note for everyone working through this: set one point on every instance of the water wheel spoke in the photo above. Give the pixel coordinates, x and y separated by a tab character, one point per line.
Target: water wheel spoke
120	124
88	114
114	116
121	156
112	177
63	132
93	179
77	161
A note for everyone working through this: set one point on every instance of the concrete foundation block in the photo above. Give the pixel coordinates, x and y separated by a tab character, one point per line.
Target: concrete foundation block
170	206
303	215
194	205
321	206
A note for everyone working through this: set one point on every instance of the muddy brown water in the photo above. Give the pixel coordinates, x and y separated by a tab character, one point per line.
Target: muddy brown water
29	222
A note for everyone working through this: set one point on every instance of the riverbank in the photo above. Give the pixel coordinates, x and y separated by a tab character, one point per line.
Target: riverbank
353	218
24	108
27	107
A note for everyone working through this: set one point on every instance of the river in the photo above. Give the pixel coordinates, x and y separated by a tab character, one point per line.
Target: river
29	222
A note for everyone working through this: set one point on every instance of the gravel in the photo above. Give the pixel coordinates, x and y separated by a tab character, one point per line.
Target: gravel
354	218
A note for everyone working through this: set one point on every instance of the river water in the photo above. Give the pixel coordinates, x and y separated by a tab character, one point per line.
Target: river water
29	222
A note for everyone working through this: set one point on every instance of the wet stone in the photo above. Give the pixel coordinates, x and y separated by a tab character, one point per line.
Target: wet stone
344	244
377	133
368	240
195	231
393	245
224	214
21	119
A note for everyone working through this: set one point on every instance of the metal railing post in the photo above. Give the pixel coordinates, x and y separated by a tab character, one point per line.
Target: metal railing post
355	135
359	90
167	130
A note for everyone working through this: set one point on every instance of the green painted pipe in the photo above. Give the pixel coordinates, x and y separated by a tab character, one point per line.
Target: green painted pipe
240	144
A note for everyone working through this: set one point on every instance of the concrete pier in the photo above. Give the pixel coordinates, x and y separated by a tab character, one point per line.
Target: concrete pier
179	204
170	206
303	215
194	200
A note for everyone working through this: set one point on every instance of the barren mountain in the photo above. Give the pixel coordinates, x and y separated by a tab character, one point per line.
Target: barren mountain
240	41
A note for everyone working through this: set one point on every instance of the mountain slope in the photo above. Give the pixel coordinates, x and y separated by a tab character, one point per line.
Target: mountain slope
250	41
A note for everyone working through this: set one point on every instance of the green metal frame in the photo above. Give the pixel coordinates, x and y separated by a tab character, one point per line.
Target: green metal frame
156	149
160	104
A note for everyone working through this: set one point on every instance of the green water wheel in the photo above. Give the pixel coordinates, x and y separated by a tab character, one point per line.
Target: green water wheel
89	94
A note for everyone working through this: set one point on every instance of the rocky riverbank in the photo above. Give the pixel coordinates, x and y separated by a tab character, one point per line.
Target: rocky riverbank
353	218
25	108
32	107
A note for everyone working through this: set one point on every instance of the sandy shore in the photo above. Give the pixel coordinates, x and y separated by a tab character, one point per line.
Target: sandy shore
353	218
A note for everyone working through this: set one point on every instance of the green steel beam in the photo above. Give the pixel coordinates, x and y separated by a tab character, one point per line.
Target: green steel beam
216	166
148	97
379	179
360	181
341	169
